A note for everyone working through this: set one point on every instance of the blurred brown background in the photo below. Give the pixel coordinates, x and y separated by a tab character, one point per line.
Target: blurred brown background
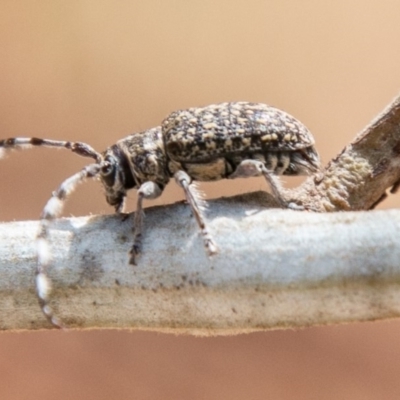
96	71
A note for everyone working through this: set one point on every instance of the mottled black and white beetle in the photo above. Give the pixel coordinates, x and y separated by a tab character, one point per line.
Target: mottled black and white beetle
226	140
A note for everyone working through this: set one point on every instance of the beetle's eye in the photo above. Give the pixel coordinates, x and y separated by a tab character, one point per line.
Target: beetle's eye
107	168
108	173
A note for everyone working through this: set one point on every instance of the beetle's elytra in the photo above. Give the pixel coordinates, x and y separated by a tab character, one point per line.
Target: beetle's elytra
226	140
238	131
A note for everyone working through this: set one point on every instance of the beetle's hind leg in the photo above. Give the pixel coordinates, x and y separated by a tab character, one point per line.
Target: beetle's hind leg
252	168
185	182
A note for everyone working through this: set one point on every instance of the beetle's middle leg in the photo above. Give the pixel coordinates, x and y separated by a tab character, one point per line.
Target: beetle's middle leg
252	168
184	181
148	190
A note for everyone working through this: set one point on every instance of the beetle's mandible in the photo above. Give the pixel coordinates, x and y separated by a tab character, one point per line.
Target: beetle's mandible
227	140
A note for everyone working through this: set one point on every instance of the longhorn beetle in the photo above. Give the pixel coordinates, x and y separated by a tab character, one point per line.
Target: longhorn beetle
227	140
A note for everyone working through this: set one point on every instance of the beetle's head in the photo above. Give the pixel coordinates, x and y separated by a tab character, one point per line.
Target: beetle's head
116	175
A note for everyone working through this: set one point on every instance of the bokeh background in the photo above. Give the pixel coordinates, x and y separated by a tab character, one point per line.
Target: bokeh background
96	71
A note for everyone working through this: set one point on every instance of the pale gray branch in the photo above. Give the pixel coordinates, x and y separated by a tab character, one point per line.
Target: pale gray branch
275	269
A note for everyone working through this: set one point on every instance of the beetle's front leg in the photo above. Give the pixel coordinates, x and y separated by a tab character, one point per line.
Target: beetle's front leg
184	181
148	190
250	168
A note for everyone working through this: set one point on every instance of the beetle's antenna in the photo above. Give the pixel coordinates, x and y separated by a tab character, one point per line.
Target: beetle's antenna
79	148
51	211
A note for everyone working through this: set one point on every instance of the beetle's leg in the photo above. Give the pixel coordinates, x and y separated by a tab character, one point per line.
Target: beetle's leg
250	168
148	190
184	181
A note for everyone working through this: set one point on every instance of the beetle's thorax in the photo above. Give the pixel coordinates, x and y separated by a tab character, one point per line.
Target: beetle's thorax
138	158
146	155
